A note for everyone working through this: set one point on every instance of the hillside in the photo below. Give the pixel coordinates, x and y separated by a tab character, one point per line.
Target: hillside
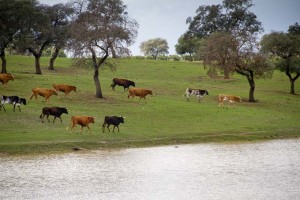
164	118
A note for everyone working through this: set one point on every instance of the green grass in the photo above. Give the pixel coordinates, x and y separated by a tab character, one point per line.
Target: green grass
165	118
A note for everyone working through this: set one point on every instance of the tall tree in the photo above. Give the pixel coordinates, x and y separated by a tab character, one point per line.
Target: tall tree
100	25
231	17
286	48
60	16
14	17
155	47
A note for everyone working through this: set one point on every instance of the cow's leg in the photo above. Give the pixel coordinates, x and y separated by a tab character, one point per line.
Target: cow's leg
103	127
54	119
42	117
60	120
48	118
198	97
114	128
187	97
35	95
89	129
108	127
118	129
2	106
19	108
14	107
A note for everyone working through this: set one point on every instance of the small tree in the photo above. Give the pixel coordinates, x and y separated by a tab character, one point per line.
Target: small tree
187	45
100	26
14	17
38	36
286	48
155	47
225	52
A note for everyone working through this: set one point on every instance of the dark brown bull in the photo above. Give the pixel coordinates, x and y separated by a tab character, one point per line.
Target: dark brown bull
122	82
54	111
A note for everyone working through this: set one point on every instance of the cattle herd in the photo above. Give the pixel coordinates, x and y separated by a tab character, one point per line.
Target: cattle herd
84	121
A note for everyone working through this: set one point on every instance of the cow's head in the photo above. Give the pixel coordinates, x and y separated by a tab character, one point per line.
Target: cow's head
121	119
64	110
54	92
23	101
91	119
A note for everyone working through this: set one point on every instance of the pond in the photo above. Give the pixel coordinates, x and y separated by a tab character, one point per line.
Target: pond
261	170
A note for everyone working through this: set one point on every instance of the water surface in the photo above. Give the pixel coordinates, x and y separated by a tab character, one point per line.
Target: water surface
264	170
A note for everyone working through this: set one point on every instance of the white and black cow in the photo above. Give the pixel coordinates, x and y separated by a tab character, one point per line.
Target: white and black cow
197	92
14	100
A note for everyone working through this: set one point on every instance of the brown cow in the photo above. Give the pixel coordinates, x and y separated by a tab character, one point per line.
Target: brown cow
140	92
64	88
230	98
4	78
44	92
82	121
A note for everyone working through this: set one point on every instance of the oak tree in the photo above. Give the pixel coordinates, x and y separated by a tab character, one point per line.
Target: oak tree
100	26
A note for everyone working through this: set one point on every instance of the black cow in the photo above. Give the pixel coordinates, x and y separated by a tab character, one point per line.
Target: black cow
15	100
121	82
198	92
54	111
112	120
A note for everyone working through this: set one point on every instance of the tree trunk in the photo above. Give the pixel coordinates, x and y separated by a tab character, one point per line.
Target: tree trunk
113	52
2	55
37	64
97	84
226	74
96	73
292	81
52	59
250	79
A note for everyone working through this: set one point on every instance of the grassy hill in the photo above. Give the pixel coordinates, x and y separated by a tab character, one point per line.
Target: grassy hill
165	118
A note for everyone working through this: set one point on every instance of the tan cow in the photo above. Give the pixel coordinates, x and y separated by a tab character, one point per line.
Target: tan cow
82	121
140	92
4	78
44	92
64	88
230	98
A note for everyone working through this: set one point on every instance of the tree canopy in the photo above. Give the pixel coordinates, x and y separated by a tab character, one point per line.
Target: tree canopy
232	16
155	47
224	51
286	48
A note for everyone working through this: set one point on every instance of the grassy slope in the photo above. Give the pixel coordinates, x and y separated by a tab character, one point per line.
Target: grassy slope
165	118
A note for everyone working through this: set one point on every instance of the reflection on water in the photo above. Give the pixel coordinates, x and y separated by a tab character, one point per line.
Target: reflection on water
268	170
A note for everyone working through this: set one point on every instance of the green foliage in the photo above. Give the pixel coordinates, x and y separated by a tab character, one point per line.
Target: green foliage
286	47
164	118
155	47
187	45
232	16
